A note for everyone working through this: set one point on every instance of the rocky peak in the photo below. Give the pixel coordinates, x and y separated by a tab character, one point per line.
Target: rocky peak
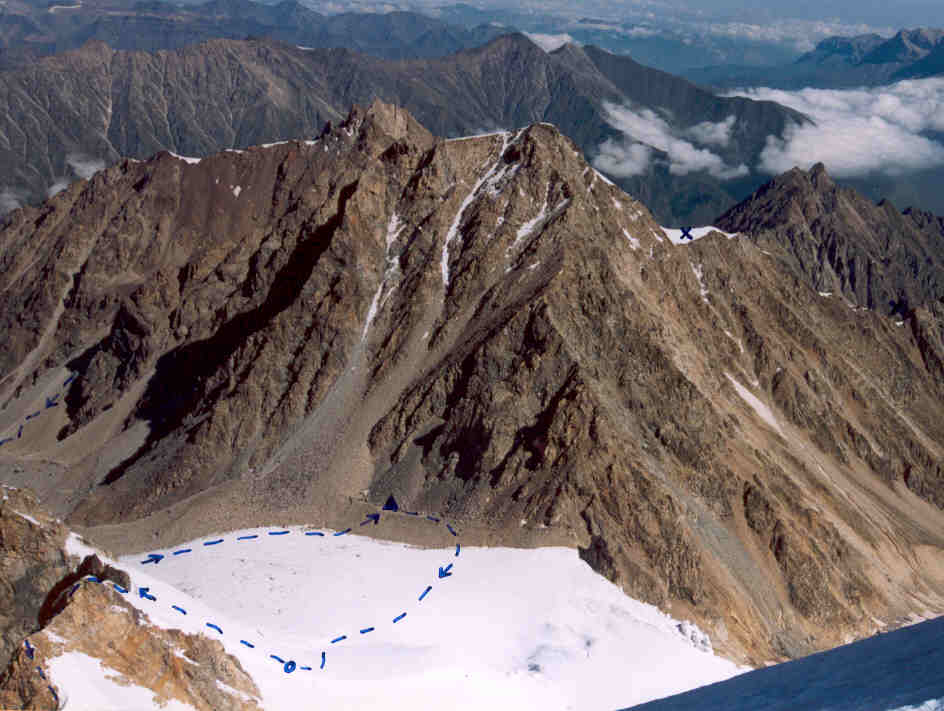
840	241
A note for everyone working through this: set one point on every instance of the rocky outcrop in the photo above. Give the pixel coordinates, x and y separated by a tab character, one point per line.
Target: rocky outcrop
487	328
841	242
55	618
32	561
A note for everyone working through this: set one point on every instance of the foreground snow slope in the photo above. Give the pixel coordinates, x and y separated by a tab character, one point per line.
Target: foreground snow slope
901	670
523	629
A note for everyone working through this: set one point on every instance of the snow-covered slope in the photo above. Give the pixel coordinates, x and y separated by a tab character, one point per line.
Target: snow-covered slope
510	628
901	671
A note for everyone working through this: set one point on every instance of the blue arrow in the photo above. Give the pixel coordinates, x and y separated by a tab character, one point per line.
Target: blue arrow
444	572
341	533
375	517
399	617
213	543
143	593
29	648
214	627
183	550
314	533
35	414
179	609
153	558
322	660
120	589
426	592
279	533
4	441
366	630
432	518
338	639
19	432
457	550
277	658
305	668
72	377
54	694
51	401
248	644
451	530
247	538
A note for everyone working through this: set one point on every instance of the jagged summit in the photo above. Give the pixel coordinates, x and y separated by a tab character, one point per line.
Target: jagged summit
874	255
483	327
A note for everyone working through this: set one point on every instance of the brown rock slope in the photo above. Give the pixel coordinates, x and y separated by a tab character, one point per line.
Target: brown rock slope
487	328
48	628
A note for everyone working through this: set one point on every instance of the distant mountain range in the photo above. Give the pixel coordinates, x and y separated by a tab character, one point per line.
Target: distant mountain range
101	104
30	30
841	62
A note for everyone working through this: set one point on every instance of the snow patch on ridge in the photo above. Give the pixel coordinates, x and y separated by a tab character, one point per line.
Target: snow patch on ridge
699	273
675	236
394	228
456	223
186	159
633	242
762	410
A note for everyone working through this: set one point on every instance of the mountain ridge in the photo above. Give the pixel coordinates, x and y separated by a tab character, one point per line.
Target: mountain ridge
110	104
486	328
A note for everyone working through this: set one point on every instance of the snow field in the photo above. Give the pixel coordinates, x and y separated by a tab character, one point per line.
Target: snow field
524	629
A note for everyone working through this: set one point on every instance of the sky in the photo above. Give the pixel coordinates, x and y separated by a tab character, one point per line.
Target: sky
901	13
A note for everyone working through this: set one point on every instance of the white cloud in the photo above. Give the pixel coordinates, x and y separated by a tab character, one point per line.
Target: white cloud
57	187
623	159
859	131
550	42
10	199
628	157
713	134
84	166
802	34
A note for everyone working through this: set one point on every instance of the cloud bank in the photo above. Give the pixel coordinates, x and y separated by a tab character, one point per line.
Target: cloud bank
888	130
10	199
802	34
644	129
84	166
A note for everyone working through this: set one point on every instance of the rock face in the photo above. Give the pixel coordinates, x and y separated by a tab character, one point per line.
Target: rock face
98	104
487	328
32	562
873	255
46	623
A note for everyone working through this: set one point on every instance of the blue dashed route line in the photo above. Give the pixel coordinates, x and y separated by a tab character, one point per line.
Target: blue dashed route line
290	666
51	402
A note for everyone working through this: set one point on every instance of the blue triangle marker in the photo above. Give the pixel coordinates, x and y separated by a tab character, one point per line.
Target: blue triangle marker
391	504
